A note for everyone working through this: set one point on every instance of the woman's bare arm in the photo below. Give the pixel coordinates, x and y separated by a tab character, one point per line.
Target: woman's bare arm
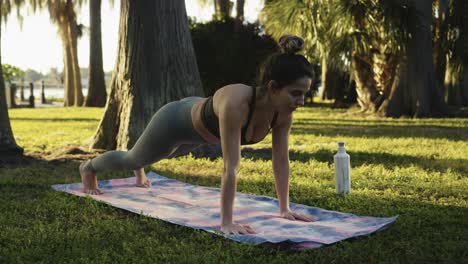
230	131
281	169
231	114
280	153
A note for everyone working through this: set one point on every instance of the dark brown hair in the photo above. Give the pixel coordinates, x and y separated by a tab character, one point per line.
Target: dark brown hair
285	66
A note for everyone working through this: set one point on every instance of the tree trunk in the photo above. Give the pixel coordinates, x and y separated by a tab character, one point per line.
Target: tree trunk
239	21
457	57
367	93
415	92
464	37
452	85
440	34
155	65
332	83
351	94
240	10
450	77
69	35
222	8
8	146
96	85
77	89
323	76
464	85
336	80
69	95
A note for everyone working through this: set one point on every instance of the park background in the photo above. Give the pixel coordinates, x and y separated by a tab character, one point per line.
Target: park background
391	83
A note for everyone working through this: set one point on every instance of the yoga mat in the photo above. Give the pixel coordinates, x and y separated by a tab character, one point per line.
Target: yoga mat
198	207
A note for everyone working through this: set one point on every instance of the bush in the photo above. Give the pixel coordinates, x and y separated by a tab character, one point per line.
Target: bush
229	54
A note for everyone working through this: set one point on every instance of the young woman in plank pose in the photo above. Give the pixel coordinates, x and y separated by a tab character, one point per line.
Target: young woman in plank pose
237	114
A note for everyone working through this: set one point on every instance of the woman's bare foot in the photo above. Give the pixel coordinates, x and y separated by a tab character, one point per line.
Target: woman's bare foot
89	179
141	179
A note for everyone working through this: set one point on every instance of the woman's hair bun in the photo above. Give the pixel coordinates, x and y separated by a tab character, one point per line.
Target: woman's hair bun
291	44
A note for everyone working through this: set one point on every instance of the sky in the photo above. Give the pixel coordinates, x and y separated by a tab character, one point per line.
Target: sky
36	44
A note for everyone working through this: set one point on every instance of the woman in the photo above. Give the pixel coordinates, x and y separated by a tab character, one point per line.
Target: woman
235	115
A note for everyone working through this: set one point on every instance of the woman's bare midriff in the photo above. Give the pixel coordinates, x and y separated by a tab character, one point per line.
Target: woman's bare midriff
198	123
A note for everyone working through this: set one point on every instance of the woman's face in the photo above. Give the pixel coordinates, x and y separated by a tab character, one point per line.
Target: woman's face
289	97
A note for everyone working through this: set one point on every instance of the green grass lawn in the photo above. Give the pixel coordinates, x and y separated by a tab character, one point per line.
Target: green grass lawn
415	168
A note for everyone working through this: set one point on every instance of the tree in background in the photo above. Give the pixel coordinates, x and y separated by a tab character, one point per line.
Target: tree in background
415	91
377	35
223	8
240	10
62	13
440	43
96	85
392	57
32	75
155	65
314	21
8	146
11	72
389	45
464	51
456	39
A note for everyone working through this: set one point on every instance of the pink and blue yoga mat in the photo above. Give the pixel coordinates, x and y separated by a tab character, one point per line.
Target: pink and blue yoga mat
198	207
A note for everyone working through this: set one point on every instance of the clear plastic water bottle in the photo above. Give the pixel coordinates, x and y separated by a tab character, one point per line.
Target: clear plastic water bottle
342	170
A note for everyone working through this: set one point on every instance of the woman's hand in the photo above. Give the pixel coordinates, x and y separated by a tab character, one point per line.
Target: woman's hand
237	229
295	216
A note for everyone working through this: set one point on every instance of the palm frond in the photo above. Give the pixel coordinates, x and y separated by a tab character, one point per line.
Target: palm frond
7	6
314	21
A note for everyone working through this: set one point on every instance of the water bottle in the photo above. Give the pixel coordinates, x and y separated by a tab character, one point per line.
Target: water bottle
342	170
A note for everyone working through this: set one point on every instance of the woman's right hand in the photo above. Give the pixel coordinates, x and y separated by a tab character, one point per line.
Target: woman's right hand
237	229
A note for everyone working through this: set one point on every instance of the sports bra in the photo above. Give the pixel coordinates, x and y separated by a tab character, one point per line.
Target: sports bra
211	121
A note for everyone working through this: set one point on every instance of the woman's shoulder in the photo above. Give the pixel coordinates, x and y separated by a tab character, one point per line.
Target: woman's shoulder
234	93
234	98
236	89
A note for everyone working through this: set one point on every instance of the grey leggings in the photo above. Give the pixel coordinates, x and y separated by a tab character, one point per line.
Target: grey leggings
169	133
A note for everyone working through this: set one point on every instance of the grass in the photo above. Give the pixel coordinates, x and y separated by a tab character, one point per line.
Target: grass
415	168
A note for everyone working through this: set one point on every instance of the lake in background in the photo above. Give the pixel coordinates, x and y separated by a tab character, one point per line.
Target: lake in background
48	92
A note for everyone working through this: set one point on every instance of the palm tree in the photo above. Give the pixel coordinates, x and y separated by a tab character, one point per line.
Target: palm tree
392	57
464	39
312	20
222	8
394	73
155	65
96	85
456	74
440	28
415	91
240	10
62	13
376	34
8	146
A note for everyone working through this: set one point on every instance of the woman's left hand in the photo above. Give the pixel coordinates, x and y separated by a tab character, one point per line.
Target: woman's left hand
295	216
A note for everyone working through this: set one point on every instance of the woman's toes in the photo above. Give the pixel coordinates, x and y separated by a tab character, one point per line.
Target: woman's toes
148	183
144	184
94	191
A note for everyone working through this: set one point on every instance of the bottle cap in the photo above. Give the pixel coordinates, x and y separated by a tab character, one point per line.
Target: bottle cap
341	144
